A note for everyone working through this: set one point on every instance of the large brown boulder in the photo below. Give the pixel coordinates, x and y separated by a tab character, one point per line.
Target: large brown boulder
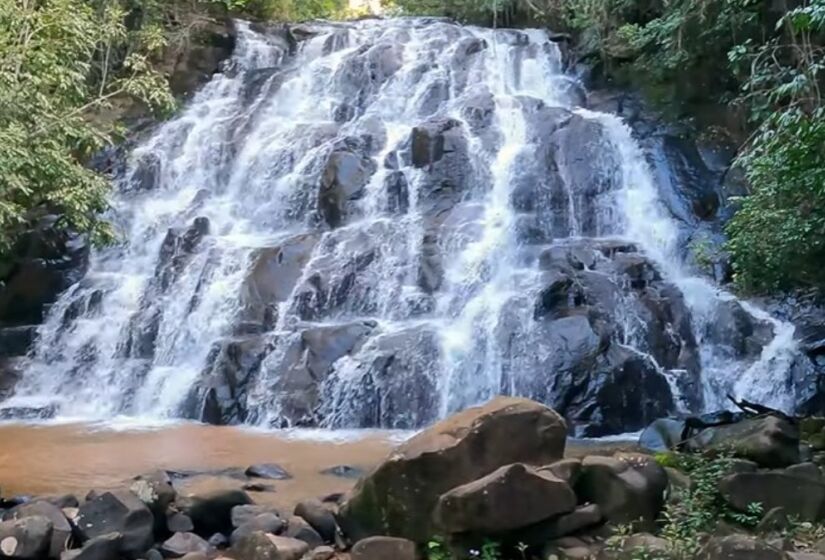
511	497
769	441
628	488
797	495
61	529
398	498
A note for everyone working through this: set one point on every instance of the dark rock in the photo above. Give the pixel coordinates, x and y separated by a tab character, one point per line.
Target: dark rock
218	541
61	529
319	517
268	470
181	544
121	512
769	441
16	341
740	547
628	488
775	520
321	553
381	548
212	512
399	496
298	528
258	487
346	174
509	498
156	491
29	538
799	496
104	547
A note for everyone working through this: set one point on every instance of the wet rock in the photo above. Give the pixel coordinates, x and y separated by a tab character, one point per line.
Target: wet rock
380	548
736	329
29	538
319	517
740	547
61	529
181	544
769	441
16	341
509	498
211	512
399	496
346	174
104	547
798	496
192	66
628	488
121	512
663	434
268	470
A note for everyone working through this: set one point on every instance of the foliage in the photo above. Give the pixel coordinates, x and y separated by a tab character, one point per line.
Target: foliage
294	10
778	235
61	61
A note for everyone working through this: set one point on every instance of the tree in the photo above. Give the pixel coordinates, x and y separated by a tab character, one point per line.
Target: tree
61	63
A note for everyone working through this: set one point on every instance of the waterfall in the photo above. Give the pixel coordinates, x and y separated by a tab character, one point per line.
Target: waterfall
381	222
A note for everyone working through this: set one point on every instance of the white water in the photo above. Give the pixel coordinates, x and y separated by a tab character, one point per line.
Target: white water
250	161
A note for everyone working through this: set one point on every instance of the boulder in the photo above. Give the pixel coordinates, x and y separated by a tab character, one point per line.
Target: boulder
770	441
567	470
156	491
177	522
804	556
398	498
61	529
663	434
212	512
381	548
509	498
121	512
740	547
29	538
321	553
319	517
289	548
583	517
104	547
628	488
181	544
798	496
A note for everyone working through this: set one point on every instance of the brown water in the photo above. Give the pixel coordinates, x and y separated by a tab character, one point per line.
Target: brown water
38	460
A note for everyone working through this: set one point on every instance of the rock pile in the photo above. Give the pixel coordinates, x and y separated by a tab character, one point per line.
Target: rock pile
492	474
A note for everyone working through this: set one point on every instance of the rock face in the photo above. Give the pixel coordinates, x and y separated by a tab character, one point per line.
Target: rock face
509	498
399	497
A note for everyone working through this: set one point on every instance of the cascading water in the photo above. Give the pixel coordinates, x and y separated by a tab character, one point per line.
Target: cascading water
384	222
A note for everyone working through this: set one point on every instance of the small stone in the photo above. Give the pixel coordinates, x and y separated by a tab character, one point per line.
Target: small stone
383	548
344	471
8	546
181	544
258	487
264	522
268	470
